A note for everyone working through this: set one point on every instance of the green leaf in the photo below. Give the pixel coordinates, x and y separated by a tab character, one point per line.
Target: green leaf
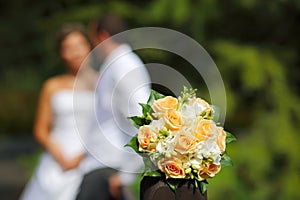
203	186
138	121
146	109
226	160
173	183
230	137
134	144
153	173
154	96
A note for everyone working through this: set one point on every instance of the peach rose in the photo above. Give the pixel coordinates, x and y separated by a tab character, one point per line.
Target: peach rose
172	167
173	120
185	143
147	138
205	129
208	170
221	139
164	104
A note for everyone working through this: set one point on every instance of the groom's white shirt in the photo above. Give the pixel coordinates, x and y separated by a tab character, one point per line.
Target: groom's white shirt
124	82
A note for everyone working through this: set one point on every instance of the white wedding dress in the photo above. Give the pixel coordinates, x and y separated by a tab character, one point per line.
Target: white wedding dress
50	181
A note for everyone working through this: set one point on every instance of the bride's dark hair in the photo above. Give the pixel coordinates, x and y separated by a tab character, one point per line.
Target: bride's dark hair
67	29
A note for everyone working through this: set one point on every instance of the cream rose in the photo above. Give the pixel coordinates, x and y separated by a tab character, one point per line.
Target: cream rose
221	139
172	167
147	138
173	120
164	104
205	129
185	143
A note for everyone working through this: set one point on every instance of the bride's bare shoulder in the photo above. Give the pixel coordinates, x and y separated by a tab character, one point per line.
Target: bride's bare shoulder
53	84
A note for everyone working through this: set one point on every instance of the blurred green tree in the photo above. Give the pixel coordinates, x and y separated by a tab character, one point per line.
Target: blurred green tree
255	45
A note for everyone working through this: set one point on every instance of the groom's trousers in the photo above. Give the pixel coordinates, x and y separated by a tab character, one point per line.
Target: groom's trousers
95	185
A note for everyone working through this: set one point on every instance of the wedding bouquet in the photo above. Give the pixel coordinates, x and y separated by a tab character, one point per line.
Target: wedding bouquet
179	138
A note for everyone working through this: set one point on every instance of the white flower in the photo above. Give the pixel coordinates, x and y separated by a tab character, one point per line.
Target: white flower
200	106
210	150
195	163
166	146
188	115
157	124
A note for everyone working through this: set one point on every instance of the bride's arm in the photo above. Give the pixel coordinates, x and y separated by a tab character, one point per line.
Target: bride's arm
43	122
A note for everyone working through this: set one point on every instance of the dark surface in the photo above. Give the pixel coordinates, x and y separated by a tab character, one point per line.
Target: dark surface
95	185
154	188
14	174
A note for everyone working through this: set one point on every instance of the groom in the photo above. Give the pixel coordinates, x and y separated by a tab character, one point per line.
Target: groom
123	83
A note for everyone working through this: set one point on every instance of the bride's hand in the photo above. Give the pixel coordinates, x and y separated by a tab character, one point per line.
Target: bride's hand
66	164
72	163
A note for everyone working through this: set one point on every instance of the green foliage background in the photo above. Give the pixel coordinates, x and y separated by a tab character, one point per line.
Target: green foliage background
255	44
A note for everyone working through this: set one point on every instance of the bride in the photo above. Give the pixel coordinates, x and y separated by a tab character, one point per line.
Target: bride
57	175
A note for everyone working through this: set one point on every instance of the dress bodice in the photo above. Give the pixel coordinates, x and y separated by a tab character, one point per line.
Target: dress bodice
72	113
